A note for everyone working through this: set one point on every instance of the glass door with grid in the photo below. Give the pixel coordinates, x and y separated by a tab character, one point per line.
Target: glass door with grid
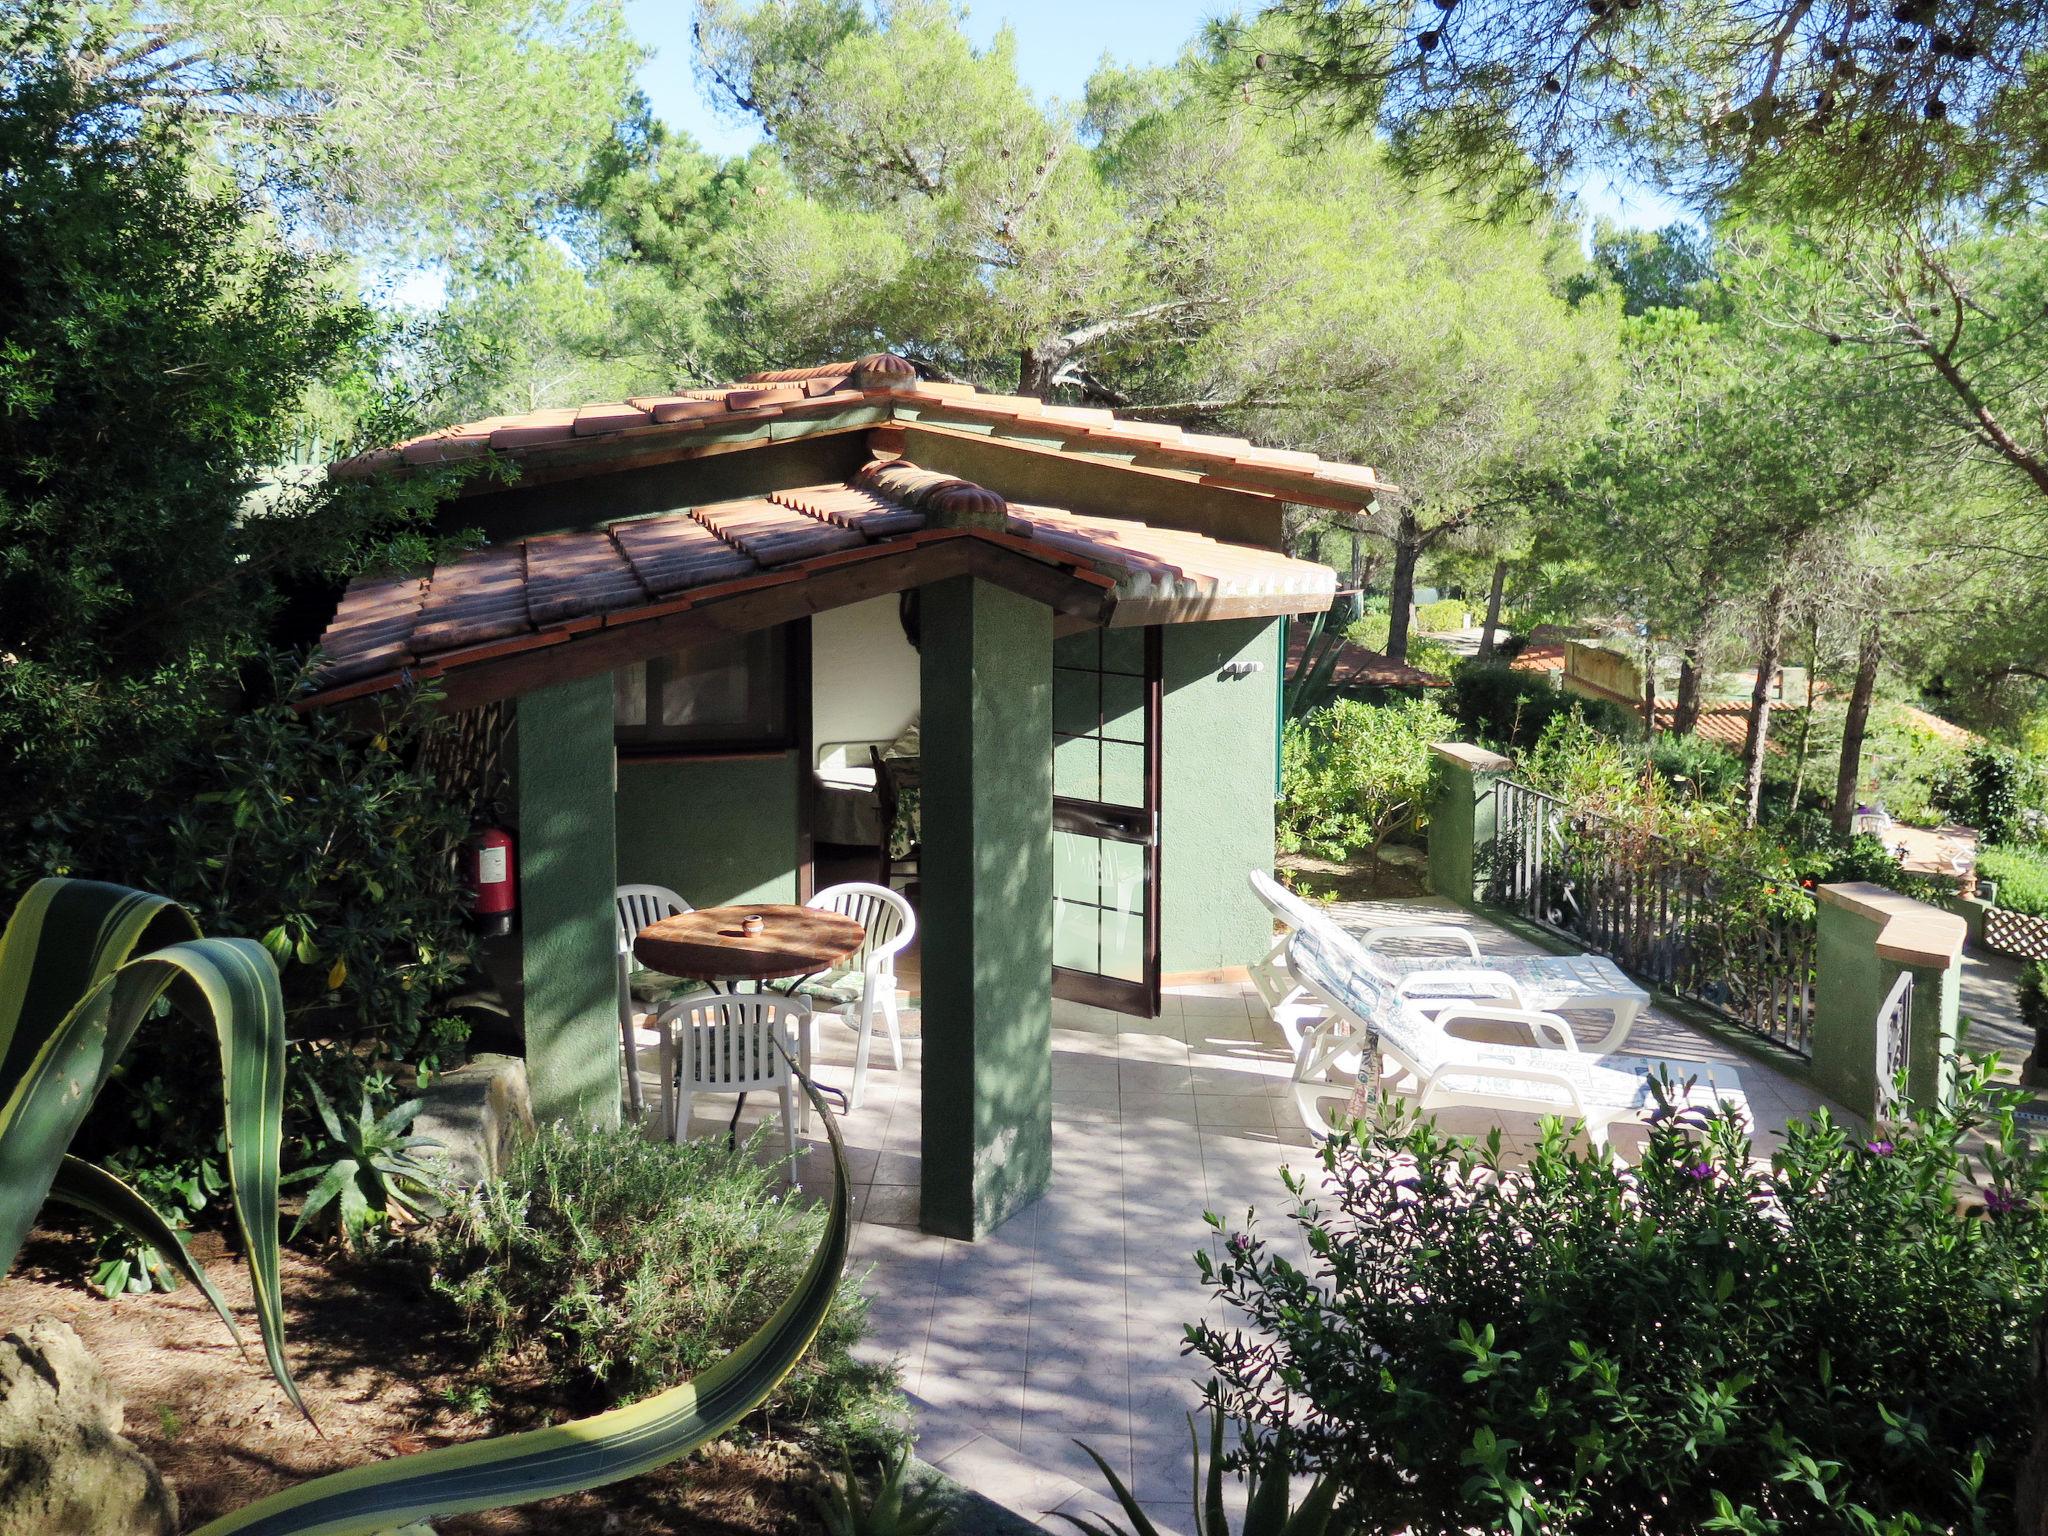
1105	716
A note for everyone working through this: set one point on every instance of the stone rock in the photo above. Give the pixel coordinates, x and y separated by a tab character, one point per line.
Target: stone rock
477	1113
64	1465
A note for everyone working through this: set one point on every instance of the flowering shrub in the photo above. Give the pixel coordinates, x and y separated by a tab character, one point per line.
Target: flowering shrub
1689	1345
1353	774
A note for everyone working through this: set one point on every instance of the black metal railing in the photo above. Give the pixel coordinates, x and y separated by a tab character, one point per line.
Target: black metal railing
1630	895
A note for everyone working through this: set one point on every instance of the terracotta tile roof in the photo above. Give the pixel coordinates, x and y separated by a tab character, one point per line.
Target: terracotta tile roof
1358	667
875	390
549	588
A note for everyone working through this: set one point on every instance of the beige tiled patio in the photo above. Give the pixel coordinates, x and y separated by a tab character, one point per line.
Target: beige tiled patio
1067	1322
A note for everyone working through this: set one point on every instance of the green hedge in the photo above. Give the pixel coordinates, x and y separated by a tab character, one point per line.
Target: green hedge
2022	876
1447	614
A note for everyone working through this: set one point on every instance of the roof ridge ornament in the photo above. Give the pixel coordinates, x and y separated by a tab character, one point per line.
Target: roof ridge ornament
874	370
946	500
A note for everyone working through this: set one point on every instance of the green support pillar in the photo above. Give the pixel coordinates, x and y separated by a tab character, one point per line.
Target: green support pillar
567	872
1866	936
986	904
1461	818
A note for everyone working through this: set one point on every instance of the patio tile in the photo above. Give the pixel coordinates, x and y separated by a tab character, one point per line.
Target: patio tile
894	1205
1084	1076
1139	1109
1153	1077
1224	1005
998	1472
1235	1110
1148	1046
898	1168
1216	1077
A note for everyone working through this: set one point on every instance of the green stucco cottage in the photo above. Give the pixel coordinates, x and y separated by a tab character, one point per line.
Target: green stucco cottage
692	608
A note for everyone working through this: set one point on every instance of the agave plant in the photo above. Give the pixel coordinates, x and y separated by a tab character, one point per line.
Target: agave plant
1311	688
895	1510
1267	1511
376	1173
82	964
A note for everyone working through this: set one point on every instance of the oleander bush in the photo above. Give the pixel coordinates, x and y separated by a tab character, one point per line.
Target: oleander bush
1840	1343
1354	774
615	1266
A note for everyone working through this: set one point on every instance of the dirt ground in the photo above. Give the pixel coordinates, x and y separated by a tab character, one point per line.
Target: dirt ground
1366	880
382	1366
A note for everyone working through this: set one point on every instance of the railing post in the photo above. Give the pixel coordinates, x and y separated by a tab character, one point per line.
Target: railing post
1462	817
1867	937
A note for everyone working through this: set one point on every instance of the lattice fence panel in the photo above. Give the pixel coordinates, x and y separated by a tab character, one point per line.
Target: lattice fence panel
2020	934
471	760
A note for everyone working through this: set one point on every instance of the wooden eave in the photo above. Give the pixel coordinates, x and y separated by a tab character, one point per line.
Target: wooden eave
589	646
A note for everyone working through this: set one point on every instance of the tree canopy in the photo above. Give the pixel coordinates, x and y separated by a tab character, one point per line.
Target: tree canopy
376	123
1830	107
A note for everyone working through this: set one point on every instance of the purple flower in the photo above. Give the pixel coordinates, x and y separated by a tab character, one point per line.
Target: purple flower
2003	1202
1238	1244
1879	1148
1699	1171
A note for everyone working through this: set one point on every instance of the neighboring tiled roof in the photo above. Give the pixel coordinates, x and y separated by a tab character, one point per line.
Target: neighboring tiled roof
876	390
549	588
1358	667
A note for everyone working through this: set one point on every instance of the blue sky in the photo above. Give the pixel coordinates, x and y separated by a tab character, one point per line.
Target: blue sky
1059	43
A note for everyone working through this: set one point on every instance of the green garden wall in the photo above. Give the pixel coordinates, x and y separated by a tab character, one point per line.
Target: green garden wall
570	1006
1216	792
713	832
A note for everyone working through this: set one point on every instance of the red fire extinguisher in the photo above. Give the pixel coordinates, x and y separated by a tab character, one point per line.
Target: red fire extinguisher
493	881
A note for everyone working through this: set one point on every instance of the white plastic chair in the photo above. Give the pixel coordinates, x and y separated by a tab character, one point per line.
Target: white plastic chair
638	906
726	1043
871	969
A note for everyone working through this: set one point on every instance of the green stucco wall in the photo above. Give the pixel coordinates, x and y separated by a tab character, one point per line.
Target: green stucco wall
1453	832
1851	983
1216	792
713	832
566	876
986	905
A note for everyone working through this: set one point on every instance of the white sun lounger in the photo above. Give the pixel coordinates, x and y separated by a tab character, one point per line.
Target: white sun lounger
1539	983
1443	1069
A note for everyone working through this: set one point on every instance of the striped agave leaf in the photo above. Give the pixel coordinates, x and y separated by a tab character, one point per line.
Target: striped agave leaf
82	964
94	1190
586	1453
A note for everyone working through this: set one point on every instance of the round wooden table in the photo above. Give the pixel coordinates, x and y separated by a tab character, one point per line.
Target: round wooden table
711	946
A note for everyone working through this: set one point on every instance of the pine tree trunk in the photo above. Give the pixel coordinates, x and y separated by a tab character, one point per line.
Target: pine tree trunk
1692	682
1868	655
1805	747
1758	740
1036	367
1649	689
1500	581
1401	590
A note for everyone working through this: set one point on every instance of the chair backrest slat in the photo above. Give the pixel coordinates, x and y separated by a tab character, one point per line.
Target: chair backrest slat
639	906
884	913
730	1041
